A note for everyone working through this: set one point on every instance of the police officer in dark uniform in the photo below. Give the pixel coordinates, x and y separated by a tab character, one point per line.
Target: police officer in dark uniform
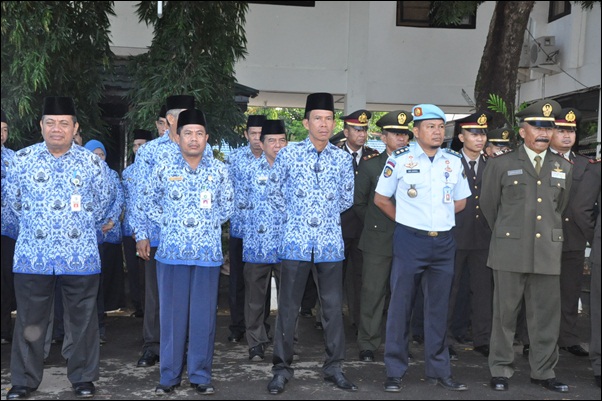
499	140
355	130
376	241
523	197
472	234
578	226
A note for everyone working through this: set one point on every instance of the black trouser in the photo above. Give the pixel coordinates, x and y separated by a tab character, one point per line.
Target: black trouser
8	288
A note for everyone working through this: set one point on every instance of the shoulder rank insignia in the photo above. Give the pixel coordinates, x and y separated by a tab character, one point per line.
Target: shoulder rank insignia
370	156
563	158
452	152
594	161
502	152
400	151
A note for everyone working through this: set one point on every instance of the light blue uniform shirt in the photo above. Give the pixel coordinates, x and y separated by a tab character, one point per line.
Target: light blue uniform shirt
238	162
127	181
57	233
312	189
436	184
190	206
262	223
10	223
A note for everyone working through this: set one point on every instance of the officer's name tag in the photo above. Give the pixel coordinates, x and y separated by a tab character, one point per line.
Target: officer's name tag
76	203
205	200
176	178
558	174
414	170
262	178
515	172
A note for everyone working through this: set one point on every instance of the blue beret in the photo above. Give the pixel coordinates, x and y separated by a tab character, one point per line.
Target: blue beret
428	112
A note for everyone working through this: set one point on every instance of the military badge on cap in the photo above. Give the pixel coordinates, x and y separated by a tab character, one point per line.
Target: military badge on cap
358	119
428	112
540	114
568	117
418	111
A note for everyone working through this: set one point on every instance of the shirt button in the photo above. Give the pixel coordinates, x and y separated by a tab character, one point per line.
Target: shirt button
477	216
375	226
538	182
566	219
507	234
538	235
476	197
538	217
477	206
539	200
515	182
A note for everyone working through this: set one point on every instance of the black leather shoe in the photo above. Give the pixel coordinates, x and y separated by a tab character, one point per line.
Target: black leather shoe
84	389
448	383
526	350
576	350
149	358
19	392
203	389
257	353
552	385
276	385
306	313
418	340
341	381
366	356
235	337
482	349
453	355
499	383
319	326
164	390
393	384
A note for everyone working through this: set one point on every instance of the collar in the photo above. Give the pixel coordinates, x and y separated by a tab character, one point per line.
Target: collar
531	154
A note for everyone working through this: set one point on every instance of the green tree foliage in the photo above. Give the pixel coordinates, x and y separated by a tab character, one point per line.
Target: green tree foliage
194	51
53	48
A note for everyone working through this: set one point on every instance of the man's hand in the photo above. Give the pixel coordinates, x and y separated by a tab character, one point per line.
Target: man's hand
143	249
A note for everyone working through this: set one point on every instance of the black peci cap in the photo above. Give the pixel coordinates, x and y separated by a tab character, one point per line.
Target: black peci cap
58	106
191	116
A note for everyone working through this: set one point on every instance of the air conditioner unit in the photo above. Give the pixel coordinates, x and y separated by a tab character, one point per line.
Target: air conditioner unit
544	52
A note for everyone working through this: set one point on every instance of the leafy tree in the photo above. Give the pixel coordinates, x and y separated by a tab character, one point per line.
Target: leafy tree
53	48
194	51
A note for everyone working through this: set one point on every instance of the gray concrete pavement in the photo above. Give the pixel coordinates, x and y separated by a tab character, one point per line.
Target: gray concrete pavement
235	377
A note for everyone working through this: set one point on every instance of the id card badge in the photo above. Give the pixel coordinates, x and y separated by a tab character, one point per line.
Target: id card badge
205	200
447	194
76	203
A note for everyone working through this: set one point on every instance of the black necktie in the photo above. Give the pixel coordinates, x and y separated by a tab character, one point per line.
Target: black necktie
472	164
354	154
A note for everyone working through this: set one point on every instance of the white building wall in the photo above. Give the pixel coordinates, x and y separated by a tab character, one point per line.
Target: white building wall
355	51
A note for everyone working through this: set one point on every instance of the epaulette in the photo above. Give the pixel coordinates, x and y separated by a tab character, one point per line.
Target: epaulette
370	156
502	152
563	158
452	152
594	161
400	151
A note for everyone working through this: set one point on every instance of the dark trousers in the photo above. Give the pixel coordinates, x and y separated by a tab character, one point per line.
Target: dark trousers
310	295
7	286
135	273
293	278
571	273
419	260
595	351
236	293
258	282
113	278
352	277
188	298
151	328
481	293
35	296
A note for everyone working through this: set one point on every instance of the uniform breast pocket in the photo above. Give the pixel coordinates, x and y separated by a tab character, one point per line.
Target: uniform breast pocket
414	180
559	183
514	187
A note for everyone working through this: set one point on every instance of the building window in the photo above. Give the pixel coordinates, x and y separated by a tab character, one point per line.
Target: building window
559	9
417	14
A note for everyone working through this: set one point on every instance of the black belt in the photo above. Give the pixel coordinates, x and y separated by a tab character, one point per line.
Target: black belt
423	232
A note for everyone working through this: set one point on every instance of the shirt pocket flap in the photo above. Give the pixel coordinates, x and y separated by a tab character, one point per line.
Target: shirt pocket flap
557	235
558	182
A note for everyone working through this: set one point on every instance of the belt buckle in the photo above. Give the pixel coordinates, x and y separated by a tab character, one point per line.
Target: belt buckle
433	233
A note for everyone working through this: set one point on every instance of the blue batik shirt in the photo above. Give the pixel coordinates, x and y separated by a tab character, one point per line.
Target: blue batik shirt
190	206
127	181
146	158
60	201
262	223
113	236
312	189
10	223
238	162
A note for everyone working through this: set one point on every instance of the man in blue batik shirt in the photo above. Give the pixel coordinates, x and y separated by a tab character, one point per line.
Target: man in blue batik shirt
238	162
10	231
147	233
312	183
191	196
261	237
61	193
